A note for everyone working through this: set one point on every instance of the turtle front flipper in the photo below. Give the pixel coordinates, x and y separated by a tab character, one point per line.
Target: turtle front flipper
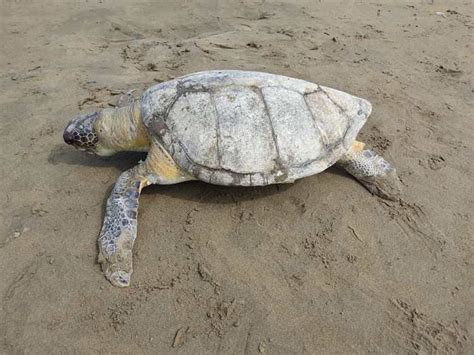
120	223
372	171
119	229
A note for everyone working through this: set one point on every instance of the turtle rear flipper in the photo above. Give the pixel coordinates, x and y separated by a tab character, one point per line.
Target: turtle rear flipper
372	171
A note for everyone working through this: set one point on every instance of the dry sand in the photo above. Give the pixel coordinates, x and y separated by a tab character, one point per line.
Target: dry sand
321	266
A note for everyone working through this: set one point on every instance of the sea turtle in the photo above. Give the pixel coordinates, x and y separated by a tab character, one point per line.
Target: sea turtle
224	127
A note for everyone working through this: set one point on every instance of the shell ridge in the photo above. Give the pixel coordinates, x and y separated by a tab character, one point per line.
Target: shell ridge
315	121
188	157
170	106
335	104
279	87
278	159
218	128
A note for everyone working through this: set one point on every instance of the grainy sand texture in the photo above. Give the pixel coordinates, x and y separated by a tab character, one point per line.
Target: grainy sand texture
317	267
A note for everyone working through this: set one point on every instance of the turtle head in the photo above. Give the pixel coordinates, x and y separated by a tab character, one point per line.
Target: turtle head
81	133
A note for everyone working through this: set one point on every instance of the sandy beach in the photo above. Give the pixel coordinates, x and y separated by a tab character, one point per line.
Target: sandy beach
320	266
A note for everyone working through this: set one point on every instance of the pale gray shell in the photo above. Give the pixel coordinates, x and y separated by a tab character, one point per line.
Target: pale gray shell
249	128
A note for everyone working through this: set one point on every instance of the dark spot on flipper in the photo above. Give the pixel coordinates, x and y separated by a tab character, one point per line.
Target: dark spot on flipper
122	280
368	153
131	204
132	214
386	165
132	194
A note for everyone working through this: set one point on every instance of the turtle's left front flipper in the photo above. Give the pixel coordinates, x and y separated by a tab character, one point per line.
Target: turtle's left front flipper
372	171
120	224
119	229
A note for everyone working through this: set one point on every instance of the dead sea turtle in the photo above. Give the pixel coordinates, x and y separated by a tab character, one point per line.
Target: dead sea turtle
225	128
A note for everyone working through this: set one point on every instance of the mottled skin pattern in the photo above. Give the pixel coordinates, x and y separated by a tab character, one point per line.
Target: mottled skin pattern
372	171
119	229
122	129
81	132
120	226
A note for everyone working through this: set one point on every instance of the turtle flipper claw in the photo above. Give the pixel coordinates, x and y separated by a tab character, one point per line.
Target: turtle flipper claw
119	278
112	271
115	256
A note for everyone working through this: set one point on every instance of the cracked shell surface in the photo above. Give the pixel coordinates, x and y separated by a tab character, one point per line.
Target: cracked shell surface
251	128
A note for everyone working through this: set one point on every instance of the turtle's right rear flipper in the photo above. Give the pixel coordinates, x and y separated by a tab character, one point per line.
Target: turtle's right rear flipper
372	171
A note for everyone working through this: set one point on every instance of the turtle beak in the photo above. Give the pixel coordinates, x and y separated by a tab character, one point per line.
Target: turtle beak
80	132
68	137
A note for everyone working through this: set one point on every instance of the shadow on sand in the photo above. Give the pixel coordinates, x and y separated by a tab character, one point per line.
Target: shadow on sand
190	191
